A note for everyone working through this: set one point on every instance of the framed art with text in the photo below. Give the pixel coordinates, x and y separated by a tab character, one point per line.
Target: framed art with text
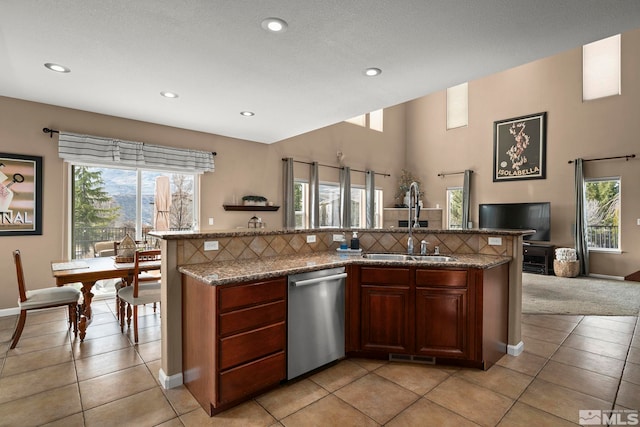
519	148
20	195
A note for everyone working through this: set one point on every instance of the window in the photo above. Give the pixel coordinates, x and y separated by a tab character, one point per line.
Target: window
601	68
458	106
300	203
109	203
602	198
454	208
373	120
330	206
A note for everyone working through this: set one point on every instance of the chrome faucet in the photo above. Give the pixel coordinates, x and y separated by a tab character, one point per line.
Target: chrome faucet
413	222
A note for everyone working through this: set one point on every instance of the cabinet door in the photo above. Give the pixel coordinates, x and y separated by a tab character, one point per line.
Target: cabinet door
385	319
442	322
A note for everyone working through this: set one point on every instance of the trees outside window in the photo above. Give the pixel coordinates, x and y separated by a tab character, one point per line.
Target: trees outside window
454	207
602	197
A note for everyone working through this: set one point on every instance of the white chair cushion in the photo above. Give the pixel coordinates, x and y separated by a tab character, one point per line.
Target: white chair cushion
147	293
39	298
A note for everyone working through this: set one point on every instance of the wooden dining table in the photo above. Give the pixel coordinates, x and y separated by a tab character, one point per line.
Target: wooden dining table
88	271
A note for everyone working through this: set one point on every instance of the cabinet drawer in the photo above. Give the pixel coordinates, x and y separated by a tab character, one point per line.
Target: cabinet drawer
253	293
257	375
448	278
241	348
252	317
383	275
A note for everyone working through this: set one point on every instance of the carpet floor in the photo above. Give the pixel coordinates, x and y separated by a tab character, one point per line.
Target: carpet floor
579	295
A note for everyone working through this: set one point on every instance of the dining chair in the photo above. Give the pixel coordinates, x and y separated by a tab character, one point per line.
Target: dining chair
43	298
140	292
152	276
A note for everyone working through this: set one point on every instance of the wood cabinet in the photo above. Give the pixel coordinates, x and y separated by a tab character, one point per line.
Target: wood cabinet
234	340
451	315
386	309
442	313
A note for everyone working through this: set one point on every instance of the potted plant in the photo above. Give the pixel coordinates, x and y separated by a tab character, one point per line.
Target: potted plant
254	201
404	182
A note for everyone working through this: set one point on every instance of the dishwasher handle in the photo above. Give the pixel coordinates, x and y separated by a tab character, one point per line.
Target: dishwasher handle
318	280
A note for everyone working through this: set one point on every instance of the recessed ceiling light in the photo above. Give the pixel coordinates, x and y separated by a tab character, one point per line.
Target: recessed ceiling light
57	68
372	72
247	113
167	94
275	25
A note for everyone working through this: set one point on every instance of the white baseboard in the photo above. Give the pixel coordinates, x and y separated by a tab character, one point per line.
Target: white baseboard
9	312
168	382
604	276
515	350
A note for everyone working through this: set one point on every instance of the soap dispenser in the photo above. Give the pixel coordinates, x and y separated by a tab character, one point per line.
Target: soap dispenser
355	242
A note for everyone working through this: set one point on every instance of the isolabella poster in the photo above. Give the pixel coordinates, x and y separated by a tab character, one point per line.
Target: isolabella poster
20	194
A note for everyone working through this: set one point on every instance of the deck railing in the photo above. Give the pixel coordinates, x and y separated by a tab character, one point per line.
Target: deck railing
602	236
84	238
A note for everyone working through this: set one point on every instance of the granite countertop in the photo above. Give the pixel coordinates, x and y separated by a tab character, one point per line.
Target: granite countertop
225	272
247	232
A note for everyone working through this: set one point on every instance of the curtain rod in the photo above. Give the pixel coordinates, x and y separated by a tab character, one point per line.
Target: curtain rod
629	156
52	131
443	174
284	159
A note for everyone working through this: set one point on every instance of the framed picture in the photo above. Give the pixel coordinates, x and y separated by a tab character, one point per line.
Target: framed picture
519	148
20	195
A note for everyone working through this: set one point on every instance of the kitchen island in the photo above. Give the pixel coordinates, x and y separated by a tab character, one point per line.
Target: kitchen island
424	308
249	255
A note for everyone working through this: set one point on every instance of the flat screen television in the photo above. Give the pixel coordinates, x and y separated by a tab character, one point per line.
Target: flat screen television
518	216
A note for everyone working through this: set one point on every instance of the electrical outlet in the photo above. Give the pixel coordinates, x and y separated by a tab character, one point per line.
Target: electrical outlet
211	221
211	245
311	238
638	221
495	241
338	238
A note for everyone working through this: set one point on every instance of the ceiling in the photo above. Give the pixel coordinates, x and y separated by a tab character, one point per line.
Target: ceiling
218	58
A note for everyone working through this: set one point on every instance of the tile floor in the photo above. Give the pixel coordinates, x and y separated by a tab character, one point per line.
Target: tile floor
569	363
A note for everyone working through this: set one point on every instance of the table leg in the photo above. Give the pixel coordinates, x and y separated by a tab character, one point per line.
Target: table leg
85	312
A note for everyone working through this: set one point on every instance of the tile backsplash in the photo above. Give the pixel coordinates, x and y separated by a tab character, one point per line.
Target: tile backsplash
247	246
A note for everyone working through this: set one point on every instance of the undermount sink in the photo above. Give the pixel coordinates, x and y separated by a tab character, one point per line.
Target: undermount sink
406	257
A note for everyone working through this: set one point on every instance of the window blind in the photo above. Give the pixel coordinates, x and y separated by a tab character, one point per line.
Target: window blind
114	152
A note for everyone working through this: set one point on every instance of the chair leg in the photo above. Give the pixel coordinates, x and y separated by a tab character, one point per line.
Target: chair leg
154	307
117	307
121	315
128	316
135	324
73	318
19	327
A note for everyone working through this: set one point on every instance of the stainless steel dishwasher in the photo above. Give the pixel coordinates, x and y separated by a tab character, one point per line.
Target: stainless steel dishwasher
315	333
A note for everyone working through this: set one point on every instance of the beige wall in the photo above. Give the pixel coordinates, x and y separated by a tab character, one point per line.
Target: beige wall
242	167
414	137
600	128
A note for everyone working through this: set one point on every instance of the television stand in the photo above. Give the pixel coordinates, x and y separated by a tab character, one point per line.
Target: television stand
537	258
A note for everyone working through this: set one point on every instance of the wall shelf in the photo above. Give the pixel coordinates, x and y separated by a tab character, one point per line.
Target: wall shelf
250	208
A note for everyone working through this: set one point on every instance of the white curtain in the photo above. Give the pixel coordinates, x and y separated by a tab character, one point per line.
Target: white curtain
108	151
581	220
288	196
370	194
314	196
466	198
345	197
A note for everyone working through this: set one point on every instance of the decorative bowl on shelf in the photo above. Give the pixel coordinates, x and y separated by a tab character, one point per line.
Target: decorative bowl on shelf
254	201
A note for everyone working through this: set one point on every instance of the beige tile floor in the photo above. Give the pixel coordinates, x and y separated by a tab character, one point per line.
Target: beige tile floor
569	363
